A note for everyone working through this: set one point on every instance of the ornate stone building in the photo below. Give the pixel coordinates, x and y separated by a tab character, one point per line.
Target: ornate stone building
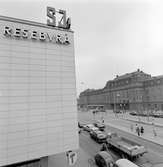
132	91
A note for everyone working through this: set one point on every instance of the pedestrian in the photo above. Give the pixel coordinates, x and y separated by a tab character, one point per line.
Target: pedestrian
138	130
141	130
104	147
131	127
103	120
154	133
154	130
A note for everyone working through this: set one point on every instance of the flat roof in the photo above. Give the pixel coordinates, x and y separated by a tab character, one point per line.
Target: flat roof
32	23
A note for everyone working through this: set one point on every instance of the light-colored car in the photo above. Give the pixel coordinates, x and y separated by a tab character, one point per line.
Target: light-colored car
98	136
125	163
88	127
99	125
94	129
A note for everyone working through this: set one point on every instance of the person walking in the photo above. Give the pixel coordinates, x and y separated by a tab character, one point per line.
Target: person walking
154	133
137	130
131	127
141	130
102	119
154	130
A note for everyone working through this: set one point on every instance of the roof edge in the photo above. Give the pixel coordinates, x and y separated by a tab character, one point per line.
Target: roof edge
32	23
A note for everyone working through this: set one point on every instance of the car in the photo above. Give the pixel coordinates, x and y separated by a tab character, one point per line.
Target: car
103	158
79	131
133	113
117	111
88	127
80	125
100	125
109	134
94	129
98	136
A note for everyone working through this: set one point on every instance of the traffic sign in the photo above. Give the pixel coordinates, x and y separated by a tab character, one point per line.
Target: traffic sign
72	157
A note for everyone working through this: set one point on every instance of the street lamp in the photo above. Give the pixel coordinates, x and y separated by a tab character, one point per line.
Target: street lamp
115	100
85	101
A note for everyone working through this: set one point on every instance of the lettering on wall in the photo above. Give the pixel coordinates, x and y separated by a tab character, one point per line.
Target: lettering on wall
36	35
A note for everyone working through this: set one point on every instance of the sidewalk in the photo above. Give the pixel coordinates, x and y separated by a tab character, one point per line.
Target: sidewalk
146	120
157	121
146	136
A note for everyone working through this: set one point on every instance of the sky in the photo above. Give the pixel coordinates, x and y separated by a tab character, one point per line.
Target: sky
112	37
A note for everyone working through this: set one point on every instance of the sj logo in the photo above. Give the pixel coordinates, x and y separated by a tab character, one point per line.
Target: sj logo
59	20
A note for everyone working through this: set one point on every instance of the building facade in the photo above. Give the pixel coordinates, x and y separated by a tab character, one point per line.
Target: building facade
38	113
132	91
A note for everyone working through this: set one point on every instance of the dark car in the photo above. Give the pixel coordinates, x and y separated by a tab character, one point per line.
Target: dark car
80	125
99	125
98	136
117	111
133	113
104	159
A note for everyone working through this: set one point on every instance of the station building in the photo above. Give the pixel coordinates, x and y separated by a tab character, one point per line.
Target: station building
38	113
132	91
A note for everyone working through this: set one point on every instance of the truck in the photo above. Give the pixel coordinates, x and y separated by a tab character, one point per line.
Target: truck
125	147
104	159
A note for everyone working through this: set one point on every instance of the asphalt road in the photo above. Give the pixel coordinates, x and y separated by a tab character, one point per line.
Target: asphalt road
154	157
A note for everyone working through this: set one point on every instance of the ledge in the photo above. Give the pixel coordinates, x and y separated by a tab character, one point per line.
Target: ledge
32	23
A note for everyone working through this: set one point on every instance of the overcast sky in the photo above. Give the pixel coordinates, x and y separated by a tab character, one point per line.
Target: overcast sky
112	37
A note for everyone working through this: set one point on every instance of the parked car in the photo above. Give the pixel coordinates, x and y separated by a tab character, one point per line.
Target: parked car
98	136
104	159
133	113
79	131
117	111
80	125
88	127
94	129
100	125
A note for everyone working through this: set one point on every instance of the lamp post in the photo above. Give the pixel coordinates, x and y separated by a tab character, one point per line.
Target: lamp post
115	100
86	100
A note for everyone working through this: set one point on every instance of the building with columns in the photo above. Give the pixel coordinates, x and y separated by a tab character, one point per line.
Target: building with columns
131	91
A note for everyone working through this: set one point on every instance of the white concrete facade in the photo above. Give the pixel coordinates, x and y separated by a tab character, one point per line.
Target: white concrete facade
38	111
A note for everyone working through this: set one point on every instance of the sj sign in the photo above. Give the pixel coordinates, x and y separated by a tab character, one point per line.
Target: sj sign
59	20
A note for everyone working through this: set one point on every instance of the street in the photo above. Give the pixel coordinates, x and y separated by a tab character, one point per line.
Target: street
153	158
